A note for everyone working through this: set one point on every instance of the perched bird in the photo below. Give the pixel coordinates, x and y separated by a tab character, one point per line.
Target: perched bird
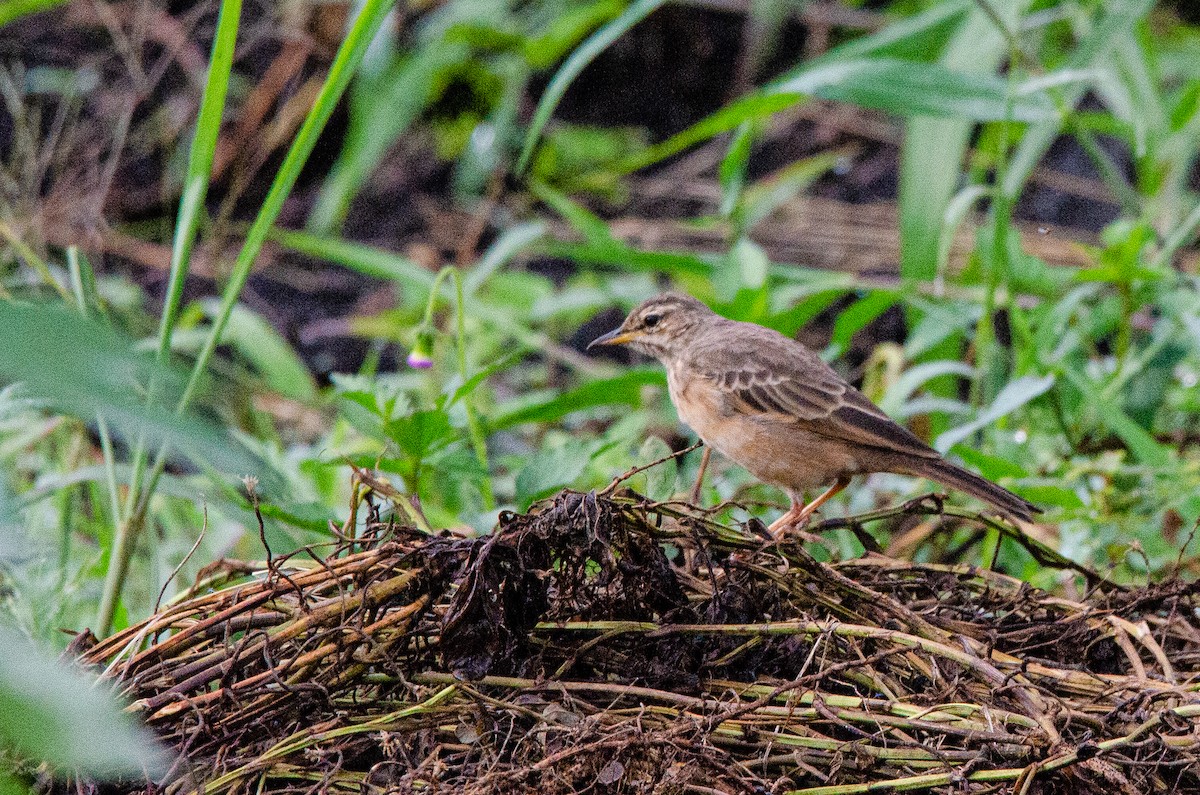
773	406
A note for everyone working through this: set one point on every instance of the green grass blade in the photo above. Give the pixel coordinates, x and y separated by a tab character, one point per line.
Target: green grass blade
583	55
388	106
12	10
187	222
367	260
931	159
912	38
1015	394
909	88
199	168
280	368
1178	238
345	63
1144	446
749	108
1119	17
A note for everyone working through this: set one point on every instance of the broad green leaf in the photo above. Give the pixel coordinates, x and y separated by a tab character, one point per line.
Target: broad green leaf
269	353
913	378
551	470
659	479
10	784
623	390
83	368
909	88
421	433
1015	394
1143	446
50	712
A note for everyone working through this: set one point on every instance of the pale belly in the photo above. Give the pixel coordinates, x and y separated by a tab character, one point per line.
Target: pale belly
779	453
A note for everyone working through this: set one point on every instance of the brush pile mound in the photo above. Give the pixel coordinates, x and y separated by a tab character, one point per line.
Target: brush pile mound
608	645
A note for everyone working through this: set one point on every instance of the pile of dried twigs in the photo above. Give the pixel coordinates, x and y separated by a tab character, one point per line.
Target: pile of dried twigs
603	644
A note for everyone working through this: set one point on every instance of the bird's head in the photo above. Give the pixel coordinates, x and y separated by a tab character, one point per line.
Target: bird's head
661	326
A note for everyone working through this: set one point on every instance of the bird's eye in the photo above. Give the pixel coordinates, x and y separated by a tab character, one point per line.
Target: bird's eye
650	321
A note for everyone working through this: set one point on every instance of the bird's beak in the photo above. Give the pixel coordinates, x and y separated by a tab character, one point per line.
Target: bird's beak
618	336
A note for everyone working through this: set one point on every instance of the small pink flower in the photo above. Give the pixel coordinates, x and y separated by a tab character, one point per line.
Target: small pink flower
421	355
419	361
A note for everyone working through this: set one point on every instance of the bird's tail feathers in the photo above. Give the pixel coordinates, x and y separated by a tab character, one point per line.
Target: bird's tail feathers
960	479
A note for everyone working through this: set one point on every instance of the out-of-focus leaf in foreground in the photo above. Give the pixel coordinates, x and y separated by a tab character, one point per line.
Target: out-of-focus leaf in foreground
84	369
49	712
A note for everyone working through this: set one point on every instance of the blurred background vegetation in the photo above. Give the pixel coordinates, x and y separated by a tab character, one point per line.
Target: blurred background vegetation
224	228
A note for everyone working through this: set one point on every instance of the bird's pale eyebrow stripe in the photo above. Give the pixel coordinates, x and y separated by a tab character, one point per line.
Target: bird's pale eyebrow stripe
661	306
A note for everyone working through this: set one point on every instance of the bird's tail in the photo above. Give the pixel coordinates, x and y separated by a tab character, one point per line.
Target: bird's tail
960	479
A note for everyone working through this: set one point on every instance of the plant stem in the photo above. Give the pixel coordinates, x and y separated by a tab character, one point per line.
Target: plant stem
200	157
474	429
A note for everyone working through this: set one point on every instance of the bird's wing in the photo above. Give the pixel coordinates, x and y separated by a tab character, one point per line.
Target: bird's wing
778	378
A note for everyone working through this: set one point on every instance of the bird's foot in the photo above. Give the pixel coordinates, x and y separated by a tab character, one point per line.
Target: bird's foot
795	520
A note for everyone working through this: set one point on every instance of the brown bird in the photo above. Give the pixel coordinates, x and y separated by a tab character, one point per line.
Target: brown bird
776	408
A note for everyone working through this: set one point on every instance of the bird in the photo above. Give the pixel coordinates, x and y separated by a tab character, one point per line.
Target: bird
776	408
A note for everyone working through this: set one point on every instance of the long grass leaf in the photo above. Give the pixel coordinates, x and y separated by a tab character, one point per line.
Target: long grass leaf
931	159
12	10
383	109
199	167
348	57
364	259
1118	17
909	88
1015	394
187	222
82	368
583	55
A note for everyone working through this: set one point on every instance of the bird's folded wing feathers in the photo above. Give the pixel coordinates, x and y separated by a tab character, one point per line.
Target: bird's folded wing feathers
813	397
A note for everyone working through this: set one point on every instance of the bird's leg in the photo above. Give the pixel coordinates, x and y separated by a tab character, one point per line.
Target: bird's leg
781	525
694	497
799	514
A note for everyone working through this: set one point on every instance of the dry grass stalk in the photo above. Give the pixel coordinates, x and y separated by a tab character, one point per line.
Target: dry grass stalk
605	644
